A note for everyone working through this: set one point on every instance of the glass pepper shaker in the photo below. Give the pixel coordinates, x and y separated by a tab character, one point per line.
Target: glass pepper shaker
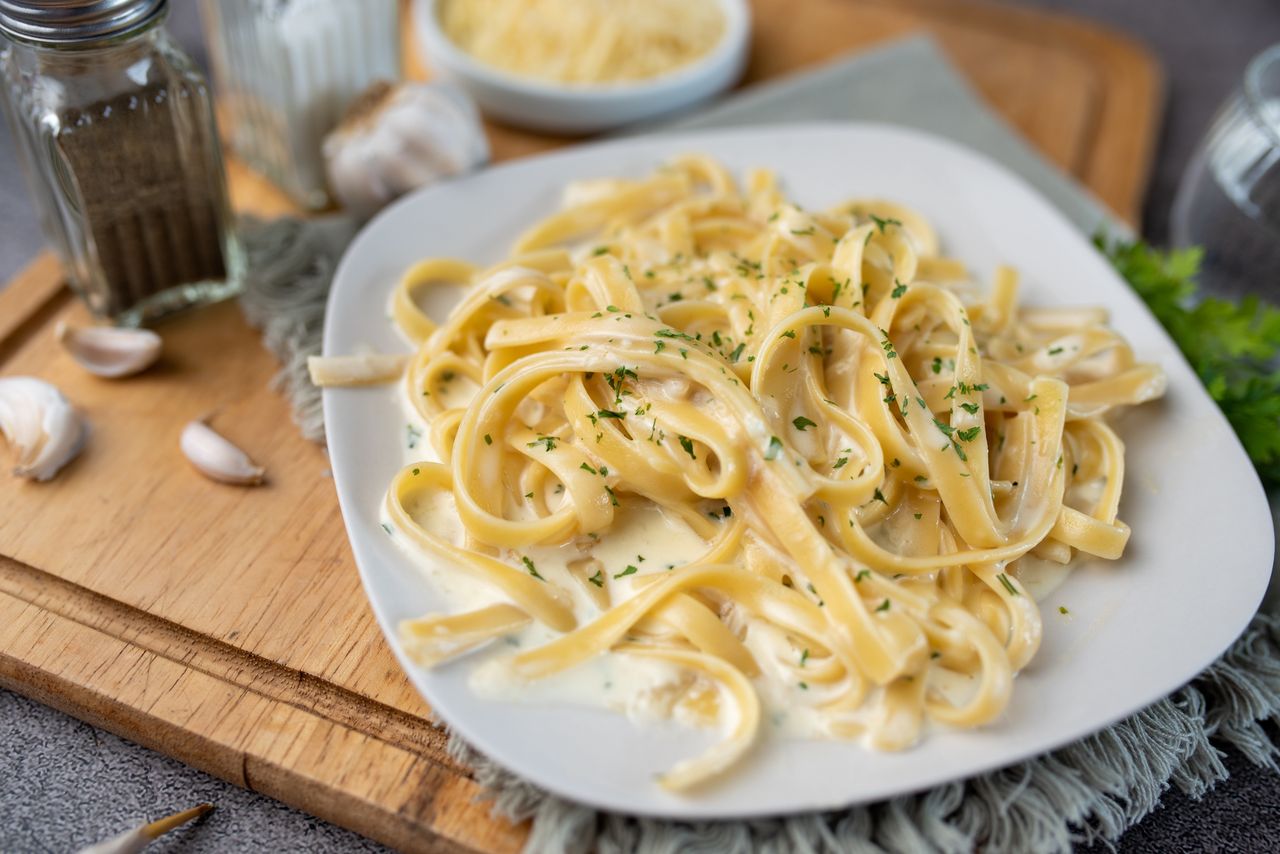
286	71
115	130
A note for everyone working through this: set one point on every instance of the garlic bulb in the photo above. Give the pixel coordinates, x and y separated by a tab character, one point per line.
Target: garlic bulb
41	424
217	458
397	138
108	351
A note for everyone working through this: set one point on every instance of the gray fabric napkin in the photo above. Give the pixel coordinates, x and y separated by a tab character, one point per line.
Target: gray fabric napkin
906	82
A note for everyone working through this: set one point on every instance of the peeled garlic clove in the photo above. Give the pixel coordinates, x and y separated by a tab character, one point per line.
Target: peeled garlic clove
109	351
398	138
216	458
41	424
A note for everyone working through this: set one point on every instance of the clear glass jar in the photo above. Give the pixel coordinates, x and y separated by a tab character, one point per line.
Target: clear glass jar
286	70
115	130
1229	200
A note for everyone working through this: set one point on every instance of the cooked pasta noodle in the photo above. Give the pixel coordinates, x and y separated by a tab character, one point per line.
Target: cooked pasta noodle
861	448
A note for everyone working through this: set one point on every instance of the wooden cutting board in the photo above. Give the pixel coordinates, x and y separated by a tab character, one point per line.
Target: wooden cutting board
227	627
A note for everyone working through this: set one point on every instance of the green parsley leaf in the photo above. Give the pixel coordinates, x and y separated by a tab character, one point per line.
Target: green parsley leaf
1232	346
801	423
1008	585
775	447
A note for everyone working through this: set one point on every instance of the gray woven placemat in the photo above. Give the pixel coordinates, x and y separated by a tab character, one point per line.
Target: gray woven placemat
1092	790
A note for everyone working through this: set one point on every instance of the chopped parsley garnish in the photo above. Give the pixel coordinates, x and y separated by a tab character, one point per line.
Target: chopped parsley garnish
898	290
775	447
801	423
839	464
804	656
549	442
488	440
944	427
879	496
613	499
600	250
969	435
386	528
802	232
884	606
687	444
611	413
587	467
862	575
882	222
1062	609
533	570
971	408
1053	351
937	364
597	579
630	570
1008	585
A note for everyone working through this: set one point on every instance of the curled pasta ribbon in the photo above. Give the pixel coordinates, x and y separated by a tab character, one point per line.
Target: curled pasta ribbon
434	639
744	703
536	598
863	449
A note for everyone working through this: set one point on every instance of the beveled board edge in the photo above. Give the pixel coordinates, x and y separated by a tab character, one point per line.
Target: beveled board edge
249	721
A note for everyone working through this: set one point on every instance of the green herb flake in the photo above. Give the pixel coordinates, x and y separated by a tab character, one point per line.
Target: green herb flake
1008	585
882	222
687	444
884	606
533	570
775	447
801	423
630	570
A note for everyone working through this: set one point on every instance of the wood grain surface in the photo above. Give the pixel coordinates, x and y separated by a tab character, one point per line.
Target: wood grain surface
226	626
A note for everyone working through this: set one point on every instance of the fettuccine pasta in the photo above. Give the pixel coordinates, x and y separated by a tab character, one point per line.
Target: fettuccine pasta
798	458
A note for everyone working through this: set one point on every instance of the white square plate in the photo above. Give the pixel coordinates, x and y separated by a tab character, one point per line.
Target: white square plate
1192	577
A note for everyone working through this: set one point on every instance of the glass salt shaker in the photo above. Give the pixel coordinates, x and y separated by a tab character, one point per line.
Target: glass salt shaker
286	70
115	130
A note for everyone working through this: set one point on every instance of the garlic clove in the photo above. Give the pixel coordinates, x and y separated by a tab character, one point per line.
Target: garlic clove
132	841
109	351
216	458
398	138
41	424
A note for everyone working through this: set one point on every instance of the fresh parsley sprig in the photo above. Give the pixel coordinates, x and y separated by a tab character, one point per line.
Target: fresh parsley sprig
1232	346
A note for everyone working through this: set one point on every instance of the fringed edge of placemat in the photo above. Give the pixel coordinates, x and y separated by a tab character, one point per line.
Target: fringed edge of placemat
1090	791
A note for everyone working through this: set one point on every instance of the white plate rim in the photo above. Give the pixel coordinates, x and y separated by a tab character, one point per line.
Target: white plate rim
1251	497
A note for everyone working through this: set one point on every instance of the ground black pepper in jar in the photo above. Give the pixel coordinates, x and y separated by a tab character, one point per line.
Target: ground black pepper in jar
116	132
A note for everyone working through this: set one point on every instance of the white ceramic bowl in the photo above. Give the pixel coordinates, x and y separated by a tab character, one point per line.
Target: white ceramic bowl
564	108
